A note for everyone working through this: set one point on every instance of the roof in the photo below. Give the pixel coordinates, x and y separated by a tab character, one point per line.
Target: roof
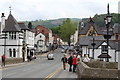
98	40
87	40
116	27
11	25
104	56
87	27
23	26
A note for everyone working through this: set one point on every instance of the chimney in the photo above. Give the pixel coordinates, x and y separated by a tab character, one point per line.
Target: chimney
2	23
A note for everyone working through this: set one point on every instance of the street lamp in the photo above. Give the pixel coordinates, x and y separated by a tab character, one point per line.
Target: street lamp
107	22
23	51
93	44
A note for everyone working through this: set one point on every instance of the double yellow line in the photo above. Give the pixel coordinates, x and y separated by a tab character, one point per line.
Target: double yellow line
53	73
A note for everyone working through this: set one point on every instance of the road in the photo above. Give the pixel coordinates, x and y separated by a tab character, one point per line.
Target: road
39	68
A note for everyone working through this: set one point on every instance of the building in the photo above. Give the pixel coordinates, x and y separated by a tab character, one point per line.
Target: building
13	35
40	43
49	38
92	33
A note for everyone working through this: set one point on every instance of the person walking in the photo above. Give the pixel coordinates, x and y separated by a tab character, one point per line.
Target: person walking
64	60
74	63
70	60
3	60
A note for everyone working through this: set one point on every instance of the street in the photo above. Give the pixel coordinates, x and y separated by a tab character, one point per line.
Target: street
40	68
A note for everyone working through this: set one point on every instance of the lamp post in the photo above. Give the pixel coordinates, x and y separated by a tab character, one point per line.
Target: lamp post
23	51
93	44
107	22
24	46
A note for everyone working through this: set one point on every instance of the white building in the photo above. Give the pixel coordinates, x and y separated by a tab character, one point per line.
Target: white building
51	38
92	33
12	36
74	38
40	43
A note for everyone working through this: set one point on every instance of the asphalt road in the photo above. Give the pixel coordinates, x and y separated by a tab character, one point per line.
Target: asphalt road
39	68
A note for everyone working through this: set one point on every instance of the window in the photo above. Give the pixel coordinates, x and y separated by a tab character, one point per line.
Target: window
41	43
14	52
10	52
12	35
104	48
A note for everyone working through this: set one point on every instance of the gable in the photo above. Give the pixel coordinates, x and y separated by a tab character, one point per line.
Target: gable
104	43
91	31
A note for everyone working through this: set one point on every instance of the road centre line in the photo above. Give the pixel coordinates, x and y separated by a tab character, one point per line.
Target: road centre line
53	73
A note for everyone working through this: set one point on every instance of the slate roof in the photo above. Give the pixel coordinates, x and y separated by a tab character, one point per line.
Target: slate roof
88	25
116	27
23	26
87	40
11	25
104	56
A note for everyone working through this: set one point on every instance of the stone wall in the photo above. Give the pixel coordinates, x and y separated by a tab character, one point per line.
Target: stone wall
13	60
84	71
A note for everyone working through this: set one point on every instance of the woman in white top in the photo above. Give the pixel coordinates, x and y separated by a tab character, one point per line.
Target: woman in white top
86	58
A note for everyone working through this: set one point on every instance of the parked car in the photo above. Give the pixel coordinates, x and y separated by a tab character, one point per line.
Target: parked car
50	56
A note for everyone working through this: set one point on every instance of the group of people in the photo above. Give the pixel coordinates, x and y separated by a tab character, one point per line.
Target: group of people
73	60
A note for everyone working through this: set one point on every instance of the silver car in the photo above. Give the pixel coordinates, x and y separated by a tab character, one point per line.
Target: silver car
50	56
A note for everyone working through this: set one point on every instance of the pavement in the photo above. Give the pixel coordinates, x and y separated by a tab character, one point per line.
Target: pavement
17	64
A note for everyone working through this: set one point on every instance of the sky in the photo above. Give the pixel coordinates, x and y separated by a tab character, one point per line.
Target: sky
28	10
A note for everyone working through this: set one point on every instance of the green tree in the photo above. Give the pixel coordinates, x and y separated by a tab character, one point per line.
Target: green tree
67	29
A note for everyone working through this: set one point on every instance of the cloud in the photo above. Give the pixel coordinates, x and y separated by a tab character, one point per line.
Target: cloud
51	9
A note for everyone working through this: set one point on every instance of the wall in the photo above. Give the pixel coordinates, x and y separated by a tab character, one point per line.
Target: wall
84	71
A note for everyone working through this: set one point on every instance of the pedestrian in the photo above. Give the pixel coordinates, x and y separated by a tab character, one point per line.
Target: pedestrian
64	60
86	58
70	60
78	58
3	60
74	63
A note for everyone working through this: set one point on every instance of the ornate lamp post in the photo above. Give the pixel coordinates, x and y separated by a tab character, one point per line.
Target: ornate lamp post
93	44
107	22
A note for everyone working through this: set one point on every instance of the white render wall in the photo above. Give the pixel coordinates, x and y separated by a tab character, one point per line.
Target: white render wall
12	42
30	39
111	52
84	50
51	38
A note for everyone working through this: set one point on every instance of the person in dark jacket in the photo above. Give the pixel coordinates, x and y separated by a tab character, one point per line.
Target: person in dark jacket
70	60
64	60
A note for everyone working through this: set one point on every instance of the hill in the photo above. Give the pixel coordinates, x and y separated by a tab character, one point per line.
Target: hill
98	19
51	23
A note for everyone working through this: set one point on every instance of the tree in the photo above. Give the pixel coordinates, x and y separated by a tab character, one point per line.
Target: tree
67	29
30	25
